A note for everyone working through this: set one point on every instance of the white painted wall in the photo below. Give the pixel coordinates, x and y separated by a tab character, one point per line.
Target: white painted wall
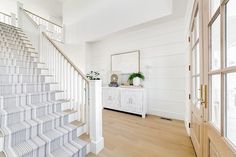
163	60
49	9
76	53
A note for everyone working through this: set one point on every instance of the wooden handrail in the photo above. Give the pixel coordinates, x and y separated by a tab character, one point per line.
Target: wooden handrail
66	57
5	14
42	18
31	20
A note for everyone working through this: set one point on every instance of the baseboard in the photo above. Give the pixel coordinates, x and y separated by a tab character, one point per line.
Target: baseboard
97	146
1	141
166	114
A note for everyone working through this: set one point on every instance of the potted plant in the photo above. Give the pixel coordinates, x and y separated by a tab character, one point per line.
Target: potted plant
136	78
93	75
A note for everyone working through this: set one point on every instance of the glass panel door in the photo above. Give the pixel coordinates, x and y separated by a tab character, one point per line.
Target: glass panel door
215	74
222	78
230	90
196	81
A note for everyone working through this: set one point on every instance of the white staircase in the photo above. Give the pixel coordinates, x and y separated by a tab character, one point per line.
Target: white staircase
35	118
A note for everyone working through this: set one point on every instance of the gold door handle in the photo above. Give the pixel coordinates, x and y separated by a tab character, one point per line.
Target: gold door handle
203	93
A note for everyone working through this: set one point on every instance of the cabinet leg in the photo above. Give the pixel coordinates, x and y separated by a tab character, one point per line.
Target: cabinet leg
143	115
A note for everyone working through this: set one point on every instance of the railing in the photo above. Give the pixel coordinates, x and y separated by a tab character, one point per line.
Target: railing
54	30
71	80
8	19
5	18
30	28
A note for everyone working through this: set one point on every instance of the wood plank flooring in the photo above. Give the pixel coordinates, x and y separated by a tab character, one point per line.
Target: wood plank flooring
131	136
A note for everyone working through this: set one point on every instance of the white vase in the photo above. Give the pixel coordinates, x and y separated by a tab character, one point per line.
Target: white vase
136	81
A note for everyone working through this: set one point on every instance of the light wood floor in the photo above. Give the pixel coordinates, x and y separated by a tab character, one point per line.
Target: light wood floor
131	136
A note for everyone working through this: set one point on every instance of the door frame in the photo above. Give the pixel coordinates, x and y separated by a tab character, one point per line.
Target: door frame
210	134
220	144
197	112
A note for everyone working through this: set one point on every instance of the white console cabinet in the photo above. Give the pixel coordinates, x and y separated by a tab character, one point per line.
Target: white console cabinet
127	99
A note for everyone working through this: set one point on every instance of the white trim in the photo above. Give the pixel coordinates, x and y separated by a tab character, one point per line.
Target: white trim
97	146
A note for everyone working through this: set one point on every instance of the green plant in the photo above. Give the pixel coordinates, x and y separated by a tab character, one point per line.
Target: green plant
139	74
93	75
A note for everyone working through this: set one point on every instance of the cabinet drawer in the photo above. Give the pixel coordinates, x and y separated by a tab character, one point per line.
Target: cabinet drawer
131	100
111	98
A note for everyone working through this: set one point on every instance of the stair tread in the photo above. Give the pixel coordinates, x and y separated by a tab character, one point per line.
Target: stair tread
61	153
70	111
53	134
18	126
77	123
25	147
2	154
15	109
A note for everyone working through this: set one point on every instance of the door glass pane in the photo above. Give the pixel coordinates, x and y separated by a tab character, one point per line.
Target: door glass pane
215	101
193	37
193	68
197	59
193	90
197	25
215	44
214	5
198	96
231	33
231	107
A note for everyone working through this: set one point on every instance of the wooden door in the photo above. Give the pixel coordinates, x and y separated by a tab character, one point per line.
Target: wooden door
197	79
221	79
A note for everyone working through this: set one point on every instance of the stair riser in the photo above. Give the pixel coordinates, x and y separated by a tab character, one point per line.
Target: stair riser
20	70
20	136
55	144
26	88
12	62
26	58
16	50
22	100
7	79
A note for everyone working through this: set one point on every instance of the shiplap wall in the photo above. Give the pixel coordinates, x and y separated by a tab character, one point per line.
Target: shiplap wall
163	61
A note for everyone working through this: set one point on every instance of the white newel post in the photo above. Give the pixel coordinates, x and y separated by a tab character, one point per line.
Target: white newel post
63	33
40	48
95	96
19	12
13	19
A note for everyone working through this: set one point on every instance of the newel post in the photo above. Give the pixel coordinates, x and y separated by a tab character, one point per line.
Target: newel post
13	19
95	96
19	14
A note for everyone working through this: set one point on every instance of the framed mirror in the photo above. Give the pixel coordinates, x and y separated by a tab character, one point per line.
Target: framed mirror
126	63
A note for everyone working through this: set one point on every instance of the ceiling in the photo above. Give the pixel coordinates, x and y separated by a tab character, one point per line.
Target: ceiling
96	19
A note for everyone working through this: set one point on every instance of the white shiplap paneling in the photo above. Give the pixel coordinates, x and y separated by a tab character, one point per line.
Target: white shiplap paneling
163	60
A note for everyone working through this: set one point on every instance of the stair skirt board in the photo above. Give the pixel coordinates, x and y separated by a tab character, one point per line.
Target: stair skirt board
35	121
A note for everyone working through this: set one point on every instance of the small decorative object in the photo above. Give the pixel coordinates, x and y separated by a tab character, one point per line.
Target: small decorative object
136	78
93	75
114	80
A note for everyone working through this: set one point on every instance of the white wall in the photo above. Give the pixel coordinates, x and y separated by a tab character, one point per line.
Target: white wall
76	53
49	9
163	60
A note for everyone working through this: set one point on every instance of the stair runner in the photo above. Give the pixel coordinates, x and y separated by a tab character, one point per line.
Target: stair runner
31	118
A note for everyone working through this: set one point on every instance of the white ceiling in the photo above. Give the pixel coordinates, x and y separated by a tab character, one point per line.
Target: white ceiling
96	18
